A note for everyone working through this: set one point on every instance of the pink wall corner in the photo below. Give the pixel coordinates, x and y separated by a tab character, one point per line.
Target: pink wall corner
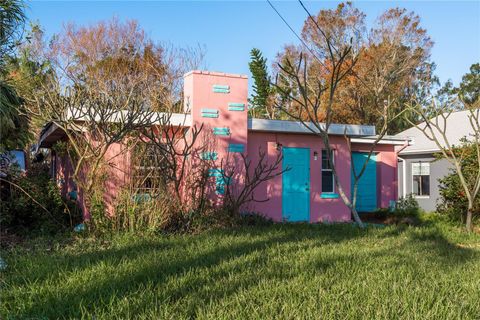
199	94
387	176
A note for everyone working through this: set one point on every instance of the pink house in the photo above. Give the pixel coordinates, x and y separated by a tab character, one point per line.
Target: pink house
305	192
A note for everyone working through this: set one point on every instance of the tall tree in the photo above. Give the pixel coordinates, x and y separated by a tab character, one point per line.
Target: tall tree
262	92
321	89
12	20
469	89
28	70
105	85
392	60
13	122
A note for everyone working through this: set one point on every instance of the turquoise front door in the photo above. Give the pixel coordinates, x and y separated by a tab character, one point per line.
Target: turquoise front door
296	184
367	185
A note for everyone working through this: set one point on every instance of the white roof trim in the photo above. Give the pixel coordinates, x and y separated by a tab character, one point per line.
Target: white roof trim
420	151
175	119
396	142
286	126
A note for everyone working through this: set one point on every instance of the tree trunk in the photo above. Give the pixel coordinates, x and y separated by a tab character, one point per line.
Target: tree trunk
350	205
356	217
469	216
355	214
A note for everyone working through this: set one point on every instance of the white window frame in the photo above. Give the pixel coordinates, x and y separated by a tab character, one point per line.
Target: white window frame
418	196
332	160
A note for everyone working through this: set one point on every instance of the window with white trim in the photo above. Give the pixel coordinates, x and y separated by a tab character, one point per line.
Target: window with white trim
421	178
328	182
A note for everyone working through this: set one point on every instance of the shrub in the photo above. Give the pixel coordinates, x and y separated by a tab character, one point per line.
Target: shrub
453	202
142	212
20	211
254	219
407	206
406	212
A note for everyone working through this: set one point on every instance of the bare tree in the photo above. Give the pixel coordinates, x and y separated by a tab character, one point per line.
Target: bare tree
108	82
183	160
248	176
93	123
434	127
316	97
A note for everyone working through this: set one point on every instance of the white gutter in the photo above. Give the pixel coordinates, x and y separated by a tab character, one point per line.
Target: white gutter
404	167
382	141
404	176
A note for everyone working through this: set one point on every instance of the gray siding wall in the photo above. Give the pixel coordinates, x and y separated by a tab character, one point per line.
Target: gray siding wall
438	169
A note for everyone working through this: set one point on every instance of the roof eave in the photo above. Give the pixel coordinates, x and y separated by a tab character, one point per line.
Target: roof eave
285	126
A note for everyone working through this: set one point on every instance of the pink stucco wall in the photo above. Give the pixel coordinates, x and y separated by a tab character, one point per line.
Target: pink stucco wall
321	210
117	170
63	176
386	172
199	94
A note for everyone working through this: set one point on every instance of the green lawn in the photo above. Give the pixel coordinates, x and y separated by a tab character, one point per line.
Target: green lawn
276	272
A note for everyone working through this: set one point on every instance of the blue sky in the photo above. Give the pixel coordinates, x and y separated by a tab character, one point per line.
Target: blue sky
229	29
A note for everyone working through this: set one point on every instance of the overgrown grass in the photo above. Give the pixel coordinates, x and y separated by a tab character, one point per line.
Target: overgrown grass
273	272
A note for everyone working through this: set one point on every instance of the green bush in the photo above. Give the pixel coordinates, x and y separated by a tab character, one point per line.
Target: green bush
453	202
141	212
20	211
407	206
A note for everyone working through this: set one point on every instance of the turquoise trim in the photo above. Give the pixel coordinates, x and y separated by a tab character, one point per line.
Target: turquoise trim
209	115
220	189
222	180
209	156
217	88
206	110
221	86
215	173
221	91
221	131
236	108
329	196
236	147
233	106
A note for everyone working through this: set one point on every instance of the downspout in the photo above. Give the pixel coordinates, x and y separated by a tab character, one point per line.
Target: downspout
404	176
404	167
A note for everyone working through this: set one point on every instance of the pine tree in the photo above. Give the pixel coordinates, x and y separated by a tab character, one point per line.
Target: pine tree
261	86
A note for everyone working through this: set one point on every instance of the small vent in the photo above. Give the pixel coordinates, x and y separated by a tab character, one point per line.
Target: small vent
217	88
236	106
210	113
221	131
209	156
236	147
215	173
